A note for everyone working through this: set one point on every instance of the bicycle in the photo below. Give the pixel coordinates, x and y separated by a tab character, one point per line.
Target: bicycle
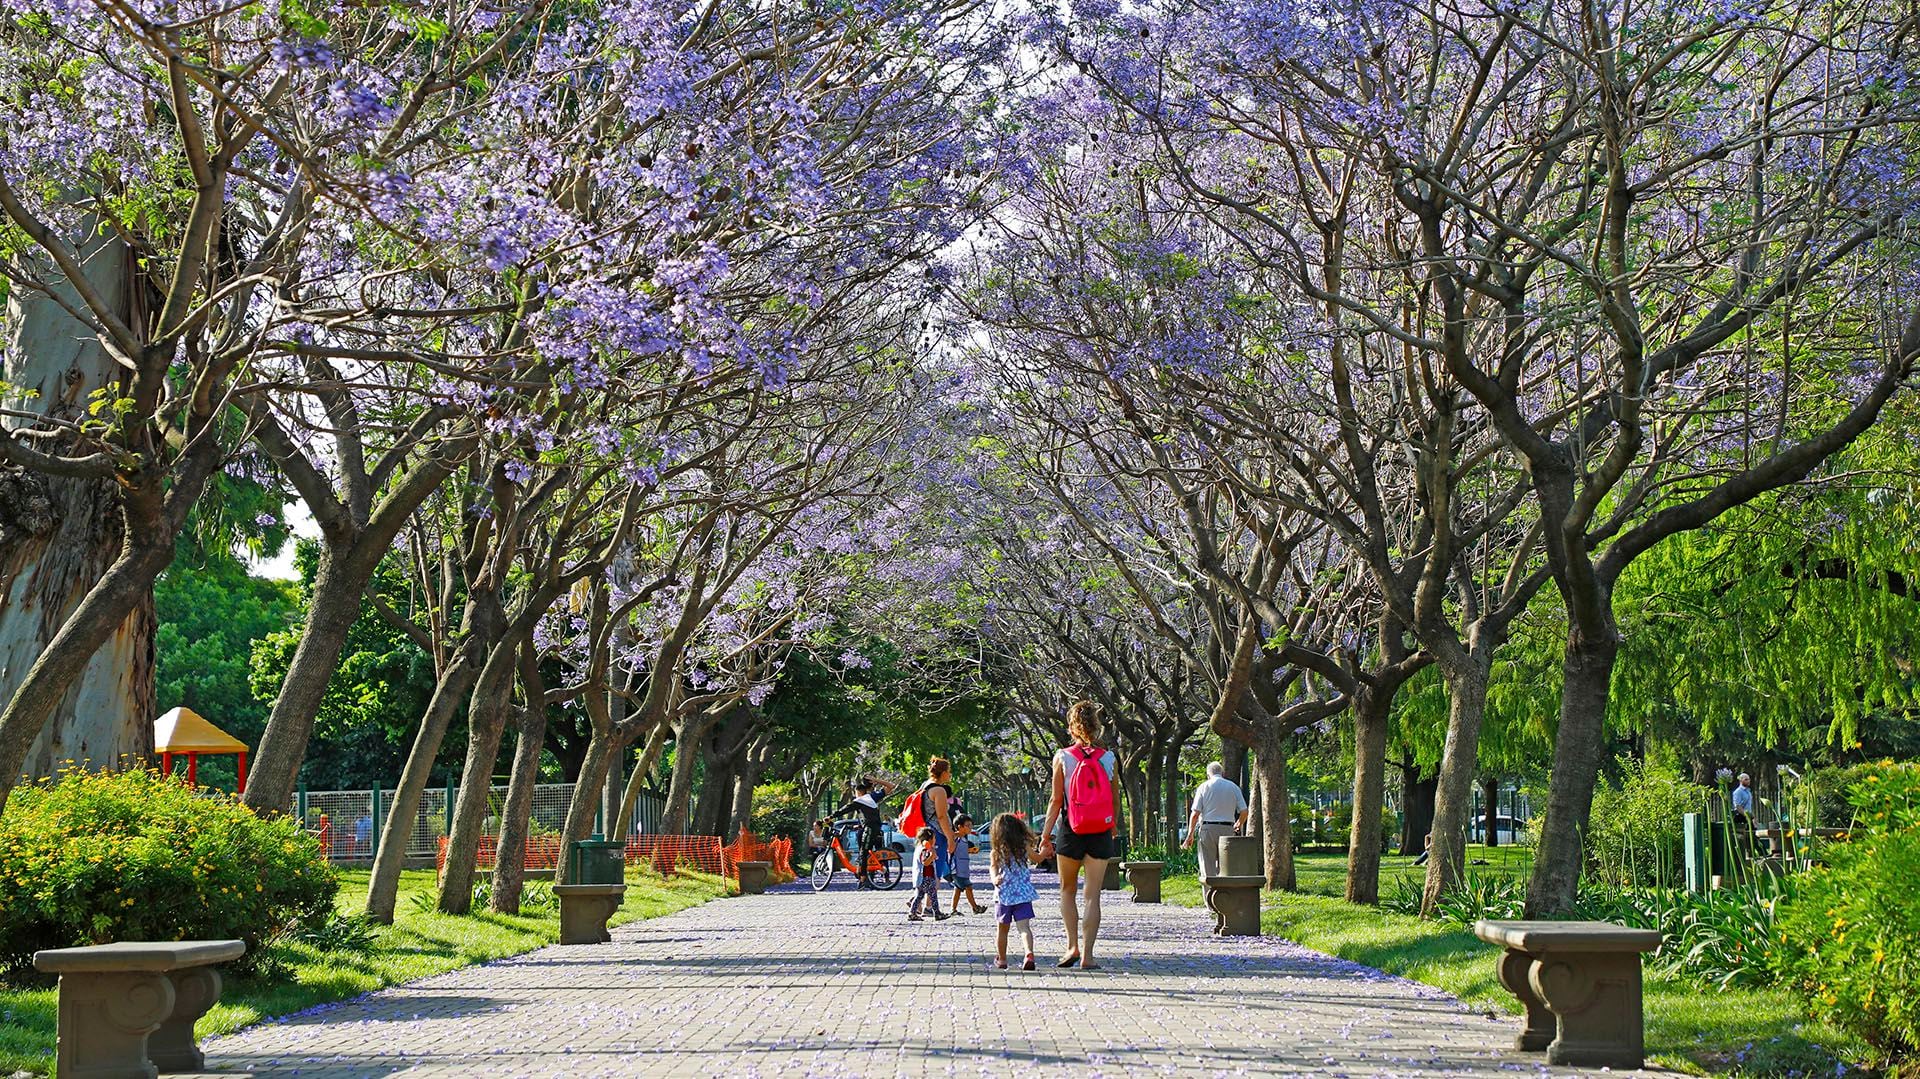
883	866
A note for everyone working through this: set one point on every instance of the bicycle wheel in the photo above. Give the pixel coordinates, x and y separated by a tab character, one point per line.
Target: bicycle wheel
823	869
887	874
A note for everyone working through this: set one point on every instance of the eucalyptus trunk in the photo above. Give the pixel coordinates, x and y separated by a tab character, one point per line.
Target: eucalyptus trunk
59	536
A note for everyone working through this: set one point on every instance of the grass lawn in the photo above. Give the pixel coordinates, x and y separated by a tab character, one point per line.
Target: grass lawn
421	942
1748	1031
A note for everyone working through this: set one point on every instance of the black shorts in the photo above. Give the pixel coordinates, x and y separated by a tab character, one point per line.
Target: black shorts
1071	844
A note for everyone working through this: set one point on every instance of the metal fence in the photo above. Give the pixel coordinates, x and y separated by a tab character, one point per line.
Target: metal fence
349	823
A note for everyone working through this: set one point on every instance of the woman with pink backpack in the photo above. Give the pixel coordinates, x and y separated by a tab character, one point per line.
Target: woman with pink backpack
1080	821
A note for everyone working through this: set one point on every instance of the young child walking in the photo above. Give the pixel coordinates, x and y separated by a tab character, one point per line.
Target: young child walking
926	880
962	864
1012	868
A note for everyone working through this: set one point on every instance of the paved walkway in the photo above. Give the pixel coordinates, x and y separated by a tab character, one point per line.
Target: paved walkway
839	984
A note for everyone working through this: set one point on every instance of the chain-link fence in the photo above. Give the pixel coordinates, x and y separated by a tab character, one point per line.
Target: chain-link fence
350	823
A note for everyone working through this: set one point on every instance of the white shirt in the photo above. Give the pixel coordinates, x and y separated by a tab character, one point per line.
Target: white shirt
1219	800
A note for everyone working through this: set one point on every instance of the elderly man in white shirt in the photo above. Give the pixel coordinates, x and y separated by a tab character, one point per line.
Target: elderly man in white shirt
1218	809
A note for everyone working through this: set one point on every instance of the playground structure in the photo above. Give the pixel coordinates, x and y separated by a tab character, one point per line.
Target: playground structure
183	732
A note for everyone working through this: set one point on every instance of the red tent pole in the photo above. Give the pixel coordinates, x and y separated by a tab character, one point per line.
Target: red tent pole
166	764
193	769
242	773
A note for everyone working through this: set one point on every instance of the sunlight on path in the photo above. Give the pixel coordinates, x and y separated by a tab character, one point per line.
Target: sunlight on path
839	984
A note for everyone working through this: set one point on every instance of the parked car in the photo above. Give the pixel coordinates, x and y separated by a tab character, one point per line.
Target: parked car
1505	829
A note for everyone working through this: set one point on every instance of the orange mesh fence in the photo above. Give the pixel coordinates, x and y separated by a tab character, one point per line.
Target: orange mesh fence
778	854
669	852
665	853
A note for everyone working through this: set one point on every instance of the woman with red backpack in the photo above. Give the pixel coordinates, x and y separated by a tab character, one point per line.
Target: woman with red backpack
932	806
1081	817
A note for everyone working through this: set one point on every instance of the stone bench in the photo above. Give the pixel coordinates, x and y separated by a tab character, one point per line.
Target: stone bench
1580	985
1145	879
754	876
584	910
127	1009
1111	882
1235	902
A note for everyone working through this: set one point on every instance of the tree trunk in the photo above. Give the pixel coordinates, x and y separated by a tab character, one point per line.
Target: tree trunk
1233	757
1173	816
510	857
59	535
1586	676
1490	811
687	735
339	586
1416	807
636	783
1133	781
1151	799
383	887
486	723
716	792
1276	814
1459	762
1371	709
585	804
741	813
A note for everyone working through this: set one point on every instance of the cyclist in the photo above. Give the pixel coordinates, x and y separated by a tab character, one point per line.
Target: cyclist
869	795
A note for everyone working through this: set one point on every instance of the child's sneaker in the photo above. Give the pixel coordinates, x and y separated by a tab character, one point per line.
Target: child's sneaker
939	917
915	918
1028	965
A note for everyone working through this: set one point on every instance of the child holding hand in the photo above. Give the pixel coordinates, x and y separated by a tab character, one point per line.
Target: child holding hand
1012	868
926	880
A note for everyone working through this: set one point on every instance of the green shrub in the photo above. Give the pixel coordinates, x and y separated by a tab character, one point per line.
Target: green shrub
92	858
1852	929
1340	825
1724	938
1178	862
1634	834
779	810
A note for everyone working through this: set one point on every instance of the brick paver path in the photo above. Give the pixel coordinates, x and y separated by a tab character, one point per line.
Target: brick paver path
839	984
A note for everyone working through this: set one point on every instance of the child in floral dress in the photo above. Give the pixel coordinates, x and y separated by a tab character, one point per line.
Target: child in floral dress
1012	868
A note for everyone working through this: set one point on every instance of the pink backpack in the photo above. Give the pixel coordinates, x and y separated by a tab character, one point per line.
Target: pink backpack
1089	793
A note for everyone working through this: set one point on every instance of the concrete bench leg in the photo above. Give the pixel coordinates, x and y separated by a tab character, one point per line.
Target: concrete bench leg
1596	998
1238	911
754	877
1516	967
584	910
1145	879
105	1019
172	1048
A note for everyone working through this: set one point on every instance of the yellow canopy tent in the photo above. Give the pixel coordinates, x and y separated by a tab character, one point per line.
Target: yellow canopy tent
185	732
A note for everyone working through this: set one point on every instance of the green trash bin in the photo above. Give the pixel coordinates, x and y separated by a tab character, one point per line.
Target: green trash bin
599	861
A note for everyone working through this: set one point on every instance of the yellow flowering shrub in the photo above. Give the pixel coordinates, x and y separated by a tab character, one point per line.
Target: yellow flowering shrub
1852	928
90	858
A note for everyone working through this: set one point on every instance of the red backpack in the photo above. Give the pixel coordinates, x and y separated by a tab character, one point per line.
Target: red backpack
1089	793
913	815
